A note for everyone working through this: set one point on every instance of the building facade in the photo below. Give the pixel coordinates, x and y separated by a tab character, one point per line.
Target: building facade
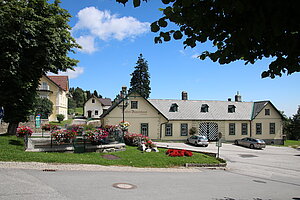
55	88
166	119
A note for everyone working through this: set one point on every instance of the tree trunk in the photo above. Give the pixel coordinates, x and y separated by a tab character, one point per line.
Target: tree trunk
12	128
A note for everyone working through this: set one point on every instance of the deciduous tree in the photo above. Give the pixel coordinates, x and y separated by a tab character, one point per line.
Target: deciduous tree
34	39
239	30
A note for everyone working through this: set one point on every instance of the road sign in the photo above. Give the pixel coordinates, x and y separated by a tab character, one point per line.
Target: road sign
219	143
220	135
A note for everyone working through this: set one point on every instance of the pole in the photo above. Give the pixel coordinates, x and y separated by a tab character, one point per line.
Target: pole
218	148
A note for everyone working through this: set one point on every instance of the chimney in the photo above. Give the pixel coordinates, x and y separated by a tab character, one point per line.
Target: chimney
229	99
238	97
184	95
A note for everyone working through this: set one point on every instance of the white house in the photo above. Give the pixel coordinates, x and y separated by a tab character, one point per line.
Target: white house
94	107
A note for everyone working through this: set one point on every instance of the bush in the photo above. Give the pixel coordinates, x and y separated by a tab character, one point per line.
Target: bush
60	117
193	131
23	130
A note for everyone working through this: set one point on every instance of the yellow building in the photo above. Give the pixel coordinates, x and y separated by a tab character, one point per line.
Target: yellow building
55	88
167	119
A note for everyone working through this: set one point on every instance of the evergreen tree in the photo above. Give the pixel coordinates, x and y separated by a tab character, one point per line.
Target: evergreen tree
88	94
95	93
140	81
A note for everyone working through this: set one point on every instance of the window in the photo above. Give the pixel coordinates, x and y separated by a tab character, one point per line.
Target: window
168	130
244	129
258	128
204	108
93	100
134	105
231	128
184	129
231	108
267	111
174	107
44	86
272	128
144	129
96	112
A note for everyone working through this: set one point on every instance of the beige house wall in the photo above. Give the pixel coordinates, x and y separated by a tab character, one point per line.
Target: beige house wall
265	120
58	97
145	113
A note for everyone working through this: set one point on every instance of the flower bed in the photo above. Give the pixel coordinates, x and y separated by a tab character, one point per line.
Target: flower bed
97	136
133	139
63	136
49	127
179	153
23	130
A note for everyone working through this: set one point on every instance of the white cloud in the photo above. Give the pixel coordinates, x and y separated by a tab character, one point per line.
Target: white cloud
106	26
70	73
87	43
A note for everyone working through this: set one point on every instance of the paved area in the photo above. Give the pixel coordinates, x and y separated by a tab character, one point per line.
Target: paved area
273	163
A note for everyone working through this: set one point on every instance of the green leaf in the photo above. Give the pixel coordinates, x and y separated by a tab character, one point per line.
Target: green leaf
165	1
162	23
136	3
154	27
177	35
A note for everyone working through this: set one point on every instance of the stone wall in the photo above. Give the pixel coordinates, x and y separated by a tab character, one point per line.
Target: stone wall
31	124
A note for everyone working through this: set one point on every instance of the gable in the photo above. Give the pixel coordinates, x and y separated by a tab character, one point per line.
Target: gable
144	108
265	110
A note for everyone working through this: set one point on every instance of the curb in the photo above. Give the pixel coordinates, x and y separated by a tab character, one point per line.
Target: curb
220	165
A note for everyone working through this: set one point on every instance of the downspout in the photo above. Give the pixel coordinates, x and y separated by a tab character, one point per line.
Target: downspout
252	114
160	134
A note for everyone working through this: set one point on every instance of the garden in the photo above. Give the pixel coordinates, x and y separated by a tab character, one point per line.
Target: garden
141	151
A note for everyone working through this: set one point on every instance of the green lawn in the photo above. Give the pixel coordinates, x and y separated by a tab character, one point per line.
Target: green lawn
62	123
292	143
11	149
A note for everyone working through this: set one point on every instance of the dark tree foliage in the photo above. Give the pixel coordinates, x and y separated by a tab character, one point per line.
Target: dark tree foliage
43	106
239	30
140	81
34	39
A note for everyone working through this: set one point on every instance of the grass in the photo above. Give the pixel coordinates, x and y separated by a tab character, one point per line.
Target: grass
79	111
12	149
62	123
292	143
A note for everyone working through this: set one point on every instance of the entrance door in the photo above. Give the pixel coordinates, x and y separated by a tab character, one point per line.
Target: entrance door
209	129
144	129
89	114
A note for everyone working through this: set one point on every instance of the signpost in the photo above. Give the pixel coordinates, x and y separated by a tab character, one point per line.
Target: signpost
219	143
38	121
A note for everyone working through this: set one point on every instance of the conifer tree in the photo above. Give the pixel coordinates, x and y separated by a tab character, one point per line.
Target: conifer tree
140	81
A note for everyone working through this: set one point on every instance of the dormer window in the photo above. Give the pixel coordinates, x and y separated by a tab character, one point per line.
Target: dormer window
204	108
231	108
174	107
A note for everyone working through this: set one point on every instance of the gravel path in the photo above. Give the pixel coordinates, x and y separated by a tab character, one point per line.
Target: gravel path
86	167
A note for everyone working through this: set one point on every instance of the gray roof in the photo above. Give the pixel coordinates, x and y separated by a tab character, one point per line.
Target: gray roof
105	102
190	109
258	106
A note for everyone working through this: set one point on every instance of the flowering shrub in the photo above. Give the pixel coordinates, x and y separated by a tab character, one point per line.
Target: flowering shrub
124	125
98	135
135	139
24	130
48	127
61	136
179	153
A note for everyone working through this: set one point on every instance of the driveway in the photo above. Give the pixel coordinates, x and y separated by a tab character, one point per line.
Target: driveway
280	164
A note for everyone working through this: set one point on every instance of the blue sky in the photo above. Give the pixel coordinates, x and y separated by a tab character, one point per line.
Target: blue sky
113	36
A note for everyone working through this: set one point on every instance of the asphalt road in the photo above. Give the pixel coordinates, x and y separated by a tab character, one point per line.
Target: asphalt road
272	173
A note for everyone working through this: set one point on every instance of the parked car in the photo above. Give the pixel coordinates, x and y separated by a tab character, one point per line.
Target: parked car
251	143
198	140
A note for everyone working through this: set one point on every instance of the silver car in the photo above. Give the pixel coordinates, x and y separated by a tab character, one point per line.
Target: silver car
198	140
251	143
